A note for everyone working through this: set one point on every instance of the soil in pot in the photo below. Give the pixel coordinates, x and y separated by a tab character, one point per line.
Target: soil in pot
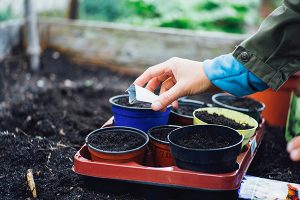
237	102
162	133
124	101
214	118
204	140
116	141
187	109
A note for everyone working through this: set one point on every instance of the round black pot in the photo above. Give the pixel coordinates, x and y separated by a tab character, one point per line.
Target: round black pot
215	160
180	119
221	98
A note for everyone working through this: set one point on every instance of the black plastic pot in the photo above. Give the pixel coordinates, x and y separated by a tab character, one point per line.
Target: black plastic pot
221	98
215	160
180	119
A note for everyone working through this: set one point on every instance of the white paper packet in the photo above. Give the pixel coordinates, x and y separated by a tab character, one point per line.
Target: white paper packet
140	94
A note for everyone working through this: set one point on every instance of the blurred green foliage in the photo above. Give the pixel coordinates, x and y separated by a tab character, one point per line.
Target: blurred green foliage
5	14
215	15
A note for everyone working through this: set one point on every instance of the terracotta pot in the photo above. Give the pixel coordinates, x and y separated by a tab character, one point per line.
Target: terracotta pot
135	155
162	156
277	103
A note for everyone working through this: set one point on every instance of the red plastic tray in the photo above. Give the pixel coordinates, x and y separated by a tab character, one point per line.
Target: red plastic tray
169	176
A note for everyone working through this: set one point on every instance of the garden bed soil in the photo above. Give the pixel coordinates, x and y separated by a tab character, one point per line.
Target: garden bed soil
162	133
237	102
215	118
204	97
204	140
71	101
124	101
116	141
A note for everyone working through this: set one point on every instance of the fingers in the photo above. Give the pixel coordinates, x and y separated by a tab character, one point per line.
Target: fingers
167	97
152	72
293	148
155	82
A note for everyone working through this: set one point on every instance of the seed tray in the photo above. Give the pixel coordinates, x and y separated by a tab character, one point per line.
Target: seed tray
168	176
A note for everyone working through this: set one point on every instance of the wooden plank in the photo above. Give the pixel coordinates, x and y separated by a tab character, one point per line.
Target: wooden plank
133	47
10	35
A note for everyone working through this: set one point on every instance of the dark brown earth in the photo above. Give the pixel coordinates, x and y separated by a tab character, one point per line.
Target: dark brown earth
162	133
214	118
45	116
124	101
187	109
116	140
204	140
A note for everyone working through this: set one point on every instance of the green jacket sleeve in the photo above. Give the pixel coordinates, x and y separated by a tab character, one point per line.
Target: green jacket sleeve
273	52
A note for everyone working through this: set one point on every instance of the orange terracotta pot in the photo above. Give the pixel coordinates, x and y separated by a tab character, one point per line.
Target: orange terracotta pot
133	155
162	156
277	103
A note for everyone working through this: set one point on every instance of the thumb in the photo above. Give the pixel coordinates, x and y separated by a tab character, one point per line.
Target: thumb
167	98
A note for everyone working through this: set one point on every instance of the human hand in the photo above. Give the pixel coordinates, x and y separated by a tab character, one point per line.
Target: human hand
293	148
179	77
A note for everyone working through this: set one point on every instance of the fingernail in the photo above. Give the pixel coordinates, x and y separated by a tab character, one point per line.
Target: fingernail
156	105
294	155
289	147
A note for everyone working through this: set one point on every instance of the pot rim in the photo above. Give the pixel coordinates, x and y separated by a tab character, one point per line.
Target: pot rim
161	126
213	149
122	128
189	102
215	96
229	110
111	101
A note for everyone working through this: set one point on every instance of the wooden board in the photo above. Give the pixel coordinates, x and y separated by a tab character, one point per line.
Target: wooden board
120	45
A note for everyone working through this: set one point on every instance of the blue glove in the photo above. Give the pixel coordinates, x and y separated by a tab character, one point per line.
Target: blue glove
229	75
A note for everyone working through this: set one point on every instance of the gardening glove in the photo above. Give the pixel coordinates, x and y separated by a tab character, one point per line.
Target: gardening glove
226	73
178	77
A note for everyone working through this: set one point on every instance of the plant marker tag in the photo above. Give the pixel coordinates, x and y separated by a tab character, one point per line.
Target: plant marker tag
253	145
140	94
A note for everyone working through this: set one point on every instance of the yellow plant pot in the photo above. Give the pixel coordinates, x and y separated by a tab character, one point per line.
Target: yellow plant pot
234	115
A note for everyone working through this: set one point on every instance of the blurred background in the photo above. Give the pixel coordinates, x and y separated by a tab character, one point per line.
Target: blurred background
233	16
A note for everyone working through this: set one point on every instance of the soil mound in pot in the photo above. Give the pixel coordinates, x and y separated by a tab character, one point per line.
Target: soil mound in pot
187	109
238	102
116	141
214	118
124	101
162	133
204	140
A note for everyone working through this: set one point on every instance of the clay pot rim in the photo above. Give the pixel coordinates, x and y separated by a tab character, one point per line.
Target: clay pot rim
162	126
208	150
122	128
189	102
215	96
112	102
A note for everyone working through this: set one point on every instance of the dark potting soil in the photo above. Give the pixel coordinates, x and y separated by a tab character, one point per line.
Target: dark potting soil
124	101
240	102
116	141
187	109
44	118
162	133
204	140
214	118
